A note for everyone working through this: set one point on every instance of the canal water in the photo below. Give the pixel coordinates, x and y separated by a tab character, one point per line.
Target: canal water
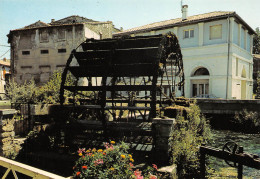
250	142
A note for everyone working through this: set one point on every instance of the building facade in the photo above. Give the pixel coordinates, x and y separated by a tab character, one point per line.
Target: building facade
217	52
4	72
41	48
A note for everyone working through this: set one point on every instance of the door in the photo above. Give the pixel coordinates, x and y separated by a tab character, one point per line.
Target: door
243	89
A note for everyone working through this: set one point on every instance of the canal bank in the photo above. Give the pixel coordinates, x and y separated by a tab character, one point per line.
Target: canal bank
235	115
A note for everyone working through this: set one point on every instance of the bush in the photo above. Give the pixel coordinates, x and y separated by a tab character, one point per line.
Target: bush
50	92
247	121
189	133
47	94
111	162
25	93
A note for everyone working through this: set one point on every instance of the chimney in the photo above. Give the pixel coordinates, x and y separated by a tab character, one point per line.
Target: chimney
184	11
52	20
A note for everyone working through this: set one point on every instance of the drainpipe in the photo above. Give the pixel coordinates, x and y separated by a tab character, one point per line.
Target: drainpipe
228	56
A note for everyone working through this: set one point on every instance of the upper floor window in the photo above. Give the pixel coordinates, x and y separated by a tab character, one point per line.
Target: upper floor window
44	51
61	34
25	52
215	32
62	50
44	36
188	33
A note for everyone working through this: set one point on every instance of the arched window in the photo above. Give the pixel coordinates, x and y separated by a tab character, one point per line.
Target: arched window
201	71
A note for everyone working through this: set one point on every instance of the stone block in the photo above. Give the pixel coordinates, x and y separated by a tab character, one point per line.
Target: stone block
163	127
7	128
171	170
7	134
6	139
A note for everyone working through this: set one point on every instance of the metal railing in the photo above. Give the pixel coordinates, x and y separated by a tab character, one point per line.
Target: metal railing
35	173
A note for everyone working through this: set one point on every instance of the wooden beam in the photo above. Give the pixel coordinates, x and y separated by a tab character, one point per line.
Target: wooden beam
110	88
243	158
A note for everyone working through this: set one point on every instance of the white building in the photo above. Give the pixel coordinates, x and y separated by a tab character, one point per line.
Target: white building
217	52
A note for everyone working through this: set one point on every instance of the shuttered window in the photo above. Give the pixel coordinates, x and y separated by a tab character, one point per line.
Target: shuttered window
215	32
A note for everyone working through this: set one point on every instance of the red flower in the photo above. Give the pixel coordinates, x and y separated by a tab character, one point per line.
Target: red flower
131	165
84	167
153	177
78	173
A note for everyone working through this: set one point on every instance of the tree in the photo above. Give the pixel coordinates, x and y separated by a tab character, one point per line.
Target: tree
256	42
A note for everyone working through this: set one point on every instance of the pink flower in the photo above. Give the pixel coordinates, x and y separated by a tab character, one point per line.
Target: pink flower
138	174
81	150
98	161
155	167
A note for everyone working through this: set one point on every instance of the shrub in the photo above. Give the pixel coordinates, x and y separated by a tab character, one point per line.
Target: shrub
49	92
247	121
24	93
30	93
113	161
189	133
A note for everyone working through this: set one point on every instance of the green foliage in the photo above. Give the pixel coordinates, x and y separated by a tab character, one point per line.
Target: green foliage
49	93
30	93
247	121
187	136
258	86
256	42
112	162
25	93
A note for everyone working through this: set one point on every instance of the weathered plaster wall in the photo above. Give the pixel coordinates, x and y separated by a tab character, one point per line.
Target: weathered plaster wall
105	28
40	65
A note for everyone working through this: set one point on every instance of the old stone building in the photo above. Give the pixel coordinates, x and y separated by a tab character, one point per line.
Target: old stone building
41	48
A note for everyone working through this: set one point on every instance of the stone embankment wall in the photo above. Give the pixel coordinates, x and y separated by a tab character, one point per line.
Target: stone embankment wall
223	106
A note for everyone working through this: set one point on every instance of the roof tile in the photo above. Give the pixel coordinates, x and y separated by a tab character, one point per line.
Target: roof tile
178	21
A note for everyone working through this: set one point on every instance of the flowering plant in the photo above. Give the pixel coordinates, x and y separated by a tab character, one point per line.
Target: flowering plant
111	162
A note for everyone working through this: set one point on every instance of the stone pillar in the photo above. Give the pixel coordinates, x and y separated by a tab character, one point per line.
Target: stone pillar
6	137
6	132
162	129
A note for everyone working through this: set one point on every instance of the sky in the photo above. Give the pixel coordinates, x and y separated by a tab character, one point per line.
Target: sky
123	13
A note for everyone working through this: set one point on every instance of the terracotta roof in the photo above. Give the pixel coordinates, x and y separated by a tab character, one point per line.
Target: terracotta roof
71	20
5	63
179	22
36	24
74	19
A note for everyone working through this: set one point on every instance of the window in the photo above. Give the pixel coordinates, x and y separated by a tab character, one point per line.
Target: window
61	34
189	33
44	36
44	51
26	52
215	32
201	71
62	50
